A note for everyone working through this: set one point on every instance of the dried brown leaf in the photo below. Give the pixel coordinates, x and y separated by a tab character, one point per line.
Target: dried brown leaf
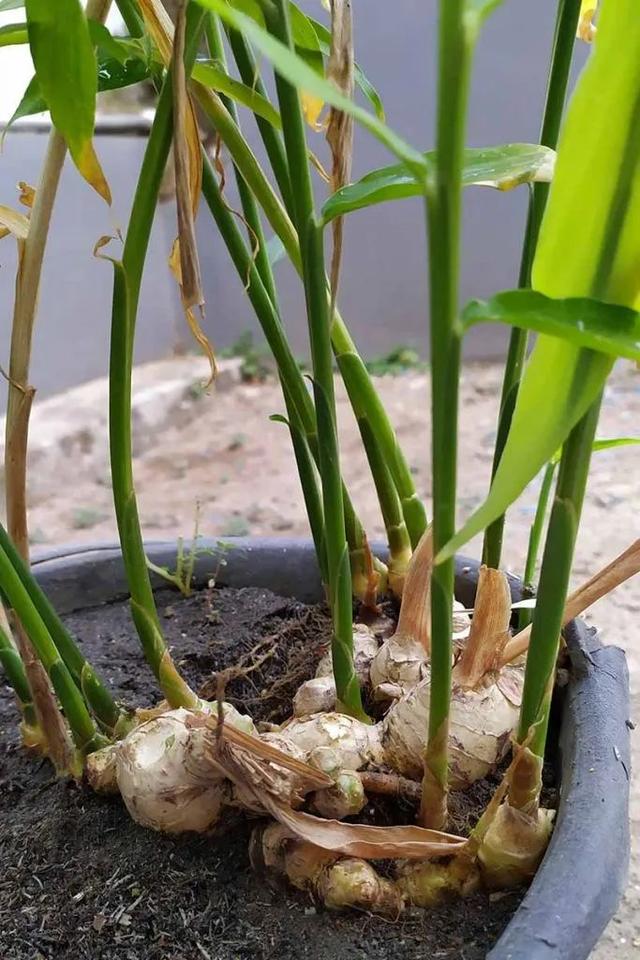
369	842
267	751
14	223
183	261
415	613
626	565
187	185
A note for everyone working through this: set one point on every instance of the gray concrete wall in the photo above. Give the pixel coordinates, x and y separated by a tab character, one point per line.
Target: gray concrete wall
383	293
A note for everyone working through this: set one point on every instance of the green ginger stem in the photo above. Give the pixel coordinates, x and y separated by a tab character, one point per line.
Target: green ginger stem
314	279
443	218
560	66
127	281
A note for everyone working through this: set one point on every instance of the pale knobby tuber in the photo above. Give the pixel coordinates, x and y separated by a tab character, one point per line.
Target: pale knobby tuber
346	798
480	724
332	742
338	882
176	771
318	695
426	883
485	702
403	660
166	774
343	882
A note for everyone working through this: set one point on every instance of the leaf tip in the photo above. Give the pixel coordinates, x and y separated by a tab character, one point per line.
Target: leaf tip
87	162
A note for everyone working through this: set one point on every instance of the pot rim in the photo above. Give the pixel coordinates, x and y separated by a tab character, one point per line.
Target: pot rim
582	877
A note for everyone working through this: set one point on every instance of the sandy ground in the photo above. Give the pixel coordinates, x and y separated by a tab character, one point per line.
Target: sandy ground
223	453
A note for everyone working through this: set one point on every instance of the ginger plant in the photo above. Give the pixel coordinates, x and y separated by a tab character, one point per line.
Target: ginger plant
445	692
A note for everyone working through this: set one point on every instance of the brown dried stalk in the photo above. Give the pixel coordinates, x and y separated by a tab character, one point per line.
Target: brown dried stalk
340	71
626	565
415	612
187	179
489	628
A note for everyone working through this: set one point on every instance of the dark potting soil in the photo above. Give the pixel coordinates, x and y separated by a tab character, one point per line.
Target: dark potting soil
79	880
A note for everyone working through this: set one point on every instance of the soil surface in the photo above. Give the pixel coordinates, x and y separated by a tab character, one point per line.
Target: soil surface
80	881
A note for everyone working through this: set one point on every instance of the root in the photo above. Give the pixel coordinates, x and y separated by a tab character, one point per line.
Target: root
265	678
391	785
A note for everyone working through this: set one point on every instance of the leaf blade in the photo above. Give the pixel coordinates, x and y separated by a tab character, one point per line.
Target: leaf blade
584	322
65	64
502	167
12	34
588	246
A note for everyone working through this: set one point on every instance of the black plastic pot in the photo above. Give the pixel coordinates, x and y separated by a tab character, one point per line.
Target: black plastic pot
581	879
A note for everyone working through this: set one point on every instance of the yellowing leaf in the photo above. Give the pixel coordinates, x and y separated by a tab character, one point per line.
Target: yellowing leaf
27	194
89	166
586	28
160	27
312	107
192	321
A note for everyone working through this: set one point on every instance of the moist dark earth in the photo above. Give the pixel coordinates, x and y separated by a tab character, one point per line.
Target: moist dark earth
80	881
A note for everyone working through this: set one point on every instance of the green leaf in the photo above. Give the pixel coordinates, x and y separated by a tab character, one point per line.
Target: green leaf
503	168
12	34
303	32
604	444
65	64
297	72
584	322
210	74
112	75
32	102
559	386
120	49
613	442
589	246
